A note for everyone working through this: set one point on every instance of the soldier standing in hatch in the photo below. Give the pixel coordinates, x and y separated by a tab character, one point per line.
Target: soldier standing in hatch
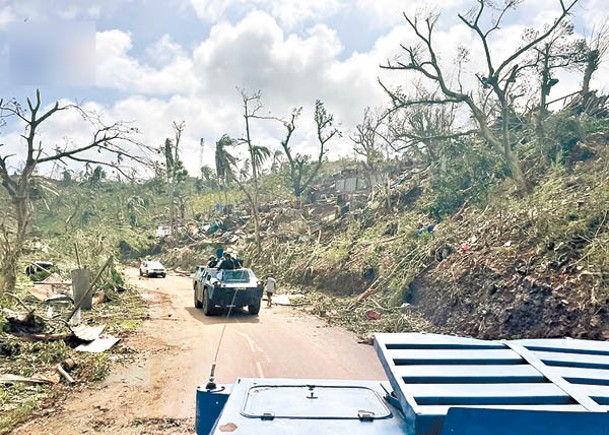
270	289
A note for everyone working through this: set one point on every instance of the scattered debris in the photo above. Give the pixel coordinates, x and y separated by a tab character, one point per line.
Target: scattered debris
373	315
20	319
35	379
288	300
99	298
87	333
100	344
181	272
51	285
64	373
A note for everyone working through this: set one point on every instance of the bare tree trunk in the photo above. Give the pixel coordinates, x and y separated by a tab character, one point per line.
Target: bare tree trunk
253	198
13	247
17	185
503	147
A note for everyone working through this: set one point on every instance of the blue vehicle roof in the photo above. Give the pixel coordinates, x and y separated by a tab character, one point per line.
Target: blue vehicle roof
293	406
432	373
437	385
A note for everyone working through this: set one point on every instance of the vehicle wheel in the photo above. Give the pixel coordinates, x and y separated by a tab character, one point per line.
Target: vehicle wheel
208	310
141	273
198	303
254	308
163	275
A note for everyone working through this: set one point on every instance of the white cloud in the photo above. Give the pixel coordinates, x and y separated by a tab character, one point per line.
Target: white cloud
117	69
288	12
7	16
256	54
165	51
387	13
168	81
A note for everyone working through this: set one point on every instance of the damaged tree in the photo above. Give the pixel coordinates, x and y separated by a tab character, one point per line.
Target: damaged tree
257	155
367	143
116	140
302	170
175	172
497	83
226	163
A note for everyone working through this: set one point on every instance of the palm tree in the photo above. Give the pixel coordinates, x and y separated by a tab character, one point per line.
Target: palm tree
260	154
225	161
277	163
209	177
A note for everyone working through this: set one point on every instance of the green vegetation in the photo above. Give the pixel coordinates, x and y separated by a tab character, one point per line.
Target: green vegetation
122	314
481	211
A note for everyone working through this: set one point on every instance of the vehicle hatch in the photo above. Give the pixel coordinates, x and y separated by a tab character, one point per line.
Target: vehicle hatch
314	402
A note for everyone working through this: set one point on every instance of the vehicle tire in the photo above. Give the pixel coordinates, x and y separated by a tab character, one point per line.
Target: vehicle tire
208	310
163	275
141	273
254	308
198	303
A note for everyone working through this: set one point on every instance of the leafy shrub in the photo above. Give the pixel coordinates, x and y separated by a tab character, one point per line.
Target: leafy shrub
563	131
465	171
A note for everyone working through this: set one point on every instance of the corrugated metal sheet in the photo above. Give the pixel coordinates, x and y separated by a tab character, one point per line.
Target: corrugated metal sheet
431	373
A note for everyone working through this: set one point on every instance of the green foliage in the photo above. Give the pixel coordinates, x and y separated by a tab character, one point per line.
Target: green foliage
563	131
114	279
96	366
275	187
557	210
17	402
593	124
96	176
348	314
225	161
467	171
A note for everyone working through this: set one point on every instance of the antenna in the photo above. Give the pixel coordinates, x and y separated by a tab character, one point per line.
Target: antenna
211	383
202	144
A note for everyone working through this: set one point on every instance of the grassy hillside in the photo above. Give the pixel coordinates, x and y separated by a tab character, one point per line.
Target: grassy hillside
515	265
499	262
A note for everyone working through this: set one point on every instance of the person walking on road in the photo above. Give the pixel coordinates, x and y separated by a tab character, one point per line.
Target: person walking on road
270	289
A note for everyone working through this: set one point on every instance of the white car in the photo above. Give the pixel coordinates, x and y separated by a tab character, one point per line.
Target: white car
152	268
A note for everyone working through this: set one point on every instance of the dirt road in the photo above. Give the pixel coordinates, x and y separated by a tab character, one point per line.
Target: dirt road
156	395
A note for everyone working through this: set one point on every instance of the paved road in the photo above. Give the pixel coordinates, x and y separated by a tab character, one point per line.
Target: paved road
178	344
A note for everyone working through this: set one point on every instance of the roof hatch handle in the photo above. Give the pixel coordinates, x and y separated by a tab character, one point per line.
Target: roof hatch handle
267	416
364	415
312	392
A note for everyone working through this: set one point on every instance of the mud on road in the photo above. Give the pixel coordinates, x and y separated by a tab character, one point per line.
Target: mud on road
176	346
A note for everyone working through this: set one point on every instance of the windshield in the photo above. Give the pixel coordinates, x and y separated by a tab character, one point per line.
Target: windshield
239	275
154	264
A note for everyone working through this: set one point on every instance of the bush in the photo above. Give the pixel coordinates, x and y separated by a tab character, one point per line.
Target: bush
563	131
465	171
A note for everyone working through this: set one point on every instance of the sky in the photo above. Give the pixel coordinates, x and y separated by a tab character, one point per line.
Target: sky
153	62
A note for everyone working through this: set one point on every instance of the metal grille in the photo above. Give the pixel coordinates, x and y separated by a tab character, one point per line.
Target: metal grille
431	373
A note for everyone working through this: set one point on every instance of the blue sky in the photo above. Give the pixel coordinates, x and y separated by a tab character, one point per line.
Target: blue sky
157	62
